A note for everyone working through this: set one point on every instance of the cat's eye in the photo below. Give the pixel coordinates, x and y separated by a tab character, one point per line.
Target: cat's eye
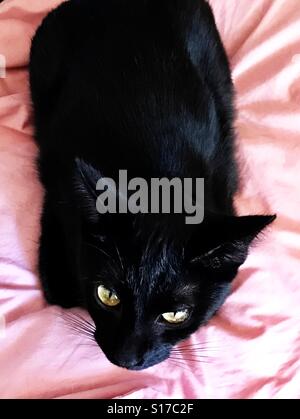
107	297
176	317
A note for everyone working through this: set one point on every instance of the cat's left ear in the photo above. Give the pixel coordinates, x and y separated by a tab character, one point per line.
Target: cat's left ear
228	240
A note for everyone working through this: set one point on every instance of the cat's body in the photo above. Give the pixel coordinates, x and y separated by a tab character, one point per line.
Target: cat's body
141	85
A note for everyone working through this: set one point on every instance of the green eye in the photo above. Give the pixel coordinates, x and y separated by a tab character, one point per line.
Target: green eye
107	297
176	317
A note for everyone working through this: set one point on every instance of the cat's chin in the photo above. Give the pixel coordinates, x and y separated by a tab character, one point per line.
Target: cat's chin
139	368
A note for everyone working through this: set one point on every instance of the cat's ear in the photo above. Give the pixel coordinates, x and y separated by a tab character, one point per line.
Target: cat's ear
86	179
228	241
195	23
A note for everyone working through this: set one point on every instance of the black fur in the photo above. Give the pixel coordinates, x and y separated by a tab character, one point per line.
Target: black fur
141	85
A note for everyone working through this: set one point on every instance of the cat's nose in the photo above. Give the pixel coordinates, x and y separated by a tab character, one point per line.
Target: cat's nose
129	352
127	360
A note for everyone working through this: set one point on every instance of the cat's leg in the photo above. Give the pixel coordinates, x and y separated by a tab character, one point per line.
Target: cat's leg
58	281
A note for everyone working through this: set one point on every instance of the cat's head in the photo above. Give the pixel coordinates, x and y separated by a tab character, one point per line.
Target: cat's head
150	281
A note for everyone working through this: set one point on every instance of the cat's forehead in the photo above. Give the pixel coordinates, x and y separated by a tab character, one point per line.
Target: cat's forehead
156	278
162	293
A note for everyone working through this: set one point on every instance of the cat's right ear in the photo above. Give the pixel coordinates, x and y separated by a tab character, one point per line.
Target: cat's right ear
86	179
98	197
194	22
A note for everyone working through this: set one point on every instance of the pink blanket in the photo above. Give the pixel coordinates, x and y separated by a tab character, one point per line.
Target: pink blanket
253	345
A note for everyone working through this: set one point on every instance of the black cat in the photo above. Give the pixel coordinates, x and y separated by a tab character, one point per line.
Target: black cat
144	86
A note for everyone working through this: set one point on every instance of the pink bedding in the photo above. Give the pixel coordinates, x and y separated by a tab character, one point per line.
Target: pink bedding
253	345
